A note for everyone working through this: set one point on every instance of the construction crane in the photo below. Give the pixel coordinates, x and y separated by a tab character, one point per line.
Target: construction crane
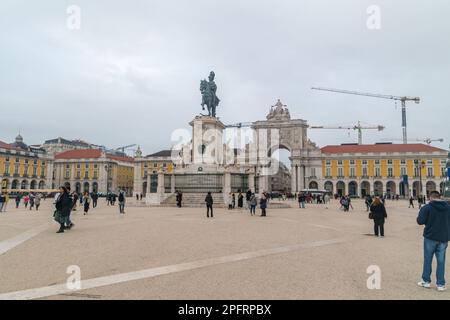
426	140
239	125
358	127
122	149
381	96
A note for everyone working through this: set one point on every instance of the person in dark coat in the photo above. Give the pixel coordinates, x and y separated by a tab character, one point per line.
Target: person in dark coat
436	217
63	206
209	205
240	201
378	212
94	197
263	205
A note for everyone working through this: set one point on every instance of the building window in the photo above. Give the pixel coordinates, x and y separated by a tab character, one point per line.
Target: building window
95	174
352	172
377	161
416	172
390	172
155	165
328	172
67	166
364	162
430	162
389	161
25	171
403	171
340	162
34	171
7	168
78	174
67	176
17	159
430	172
313	172
42	171
403	161
86	166
86	175
340	172
35	161
377	172
16	168
328	162
78	166
352	162
364	172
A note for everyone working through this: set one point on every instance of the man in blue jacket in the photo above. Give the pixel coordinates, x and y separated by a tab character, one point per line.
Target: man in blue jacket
436	218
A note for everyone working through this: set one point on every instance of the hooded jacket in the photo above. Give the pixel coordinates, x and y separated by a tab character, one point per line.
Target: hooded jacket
436	218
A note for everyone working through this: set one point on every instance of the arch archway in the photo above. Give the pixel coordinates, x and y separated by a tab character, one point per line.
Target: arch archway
41	184
86	187
430	186
24	184
365	188
441	187
5	184
340	188
15	184
391	189
279	174
313	185
77	187
33	184
353	188
378	188
416	188
328	186
95	187
403	189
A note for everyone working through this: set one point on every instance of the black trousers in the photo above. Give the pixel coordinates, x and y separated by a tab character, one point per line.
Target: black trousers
209	208
379	227
263	212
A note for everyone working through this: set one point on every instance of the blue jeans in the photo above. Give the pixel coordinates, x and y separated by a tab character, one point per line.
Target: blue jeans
431	248
302	204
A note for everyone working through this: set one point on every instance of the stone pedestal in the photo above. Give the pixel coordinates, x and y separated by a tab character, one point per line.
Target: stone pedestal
207	140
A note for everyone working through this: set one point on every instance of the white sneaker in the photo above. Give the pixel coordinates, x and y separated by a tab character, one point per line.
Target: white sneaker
424	284
441	288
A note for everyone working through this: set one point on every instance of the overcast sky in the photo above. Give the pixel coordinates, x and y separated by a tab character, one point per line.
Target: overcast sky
131	73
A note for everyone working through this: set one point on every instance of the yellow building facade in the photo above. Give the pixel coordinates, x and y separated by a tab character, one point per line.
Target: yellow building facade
382	169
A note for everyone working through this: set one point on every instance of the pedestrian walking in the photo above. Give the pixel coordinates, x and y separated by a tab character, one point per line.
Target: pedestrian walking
436	218
240	200
121	199
368	202
31	201
411	202
86	203
18	198
2	201
64	205
94	197
37	201
378	214
209	205
233	200
253	202
26	199
263	205
301	200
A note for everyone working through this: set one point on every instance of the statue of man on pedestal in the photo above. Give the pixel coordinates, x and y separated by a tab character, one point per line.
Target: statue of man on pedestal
208	90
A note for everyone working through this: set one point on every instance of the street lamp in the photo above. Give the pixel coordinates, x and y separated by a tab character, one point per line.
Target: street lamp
420	165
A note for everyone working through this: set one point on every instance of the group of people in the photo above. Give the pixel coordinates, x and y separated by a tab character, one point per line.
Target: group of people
251	201
66	202
30	201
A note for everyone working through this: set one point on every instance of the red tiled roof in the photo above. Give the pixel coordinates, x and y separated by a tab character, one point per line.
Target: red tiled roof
378	148
7	146
90	154
80	154
119	158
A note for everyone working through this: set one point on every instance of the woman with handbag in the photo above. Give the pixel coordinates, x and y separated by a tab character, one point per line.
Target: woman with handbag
63	206
378	214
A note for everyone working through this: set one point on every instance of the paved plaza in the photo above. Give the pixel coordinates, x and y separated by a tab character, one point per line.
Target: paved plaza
170	253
